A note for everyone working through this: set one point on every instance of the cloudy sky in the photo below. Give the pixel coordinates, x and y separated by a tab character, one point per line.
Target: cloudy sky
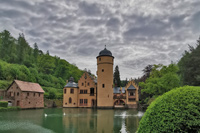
137	32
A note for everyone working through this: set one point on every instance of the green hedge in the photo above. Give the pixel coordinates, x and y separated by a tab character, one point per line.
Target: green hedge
2	109
175	111
3	104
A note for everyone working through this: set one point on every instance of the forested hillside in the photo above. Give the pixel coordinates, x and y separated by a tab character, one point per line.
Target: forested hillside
20	61
189	66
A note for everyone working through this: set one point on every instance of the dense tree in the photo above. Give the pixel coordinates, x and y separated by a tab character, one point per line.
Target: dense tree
31	64
116	78
189	66
36	52
161	80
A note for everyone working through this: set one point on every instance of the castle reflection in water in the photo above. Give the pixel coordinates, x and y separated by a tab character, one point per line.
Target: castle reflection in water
83	120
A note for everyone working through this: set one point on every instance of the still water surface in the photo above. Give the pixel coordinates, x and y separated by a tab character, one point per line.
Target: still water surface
73	120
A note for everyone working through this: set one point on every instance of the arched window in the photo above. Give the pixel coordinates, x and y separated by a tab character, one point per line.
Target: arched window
70	100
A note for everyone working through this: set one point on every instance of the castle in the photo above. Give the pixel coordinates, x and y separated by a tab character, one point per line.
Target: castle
100	92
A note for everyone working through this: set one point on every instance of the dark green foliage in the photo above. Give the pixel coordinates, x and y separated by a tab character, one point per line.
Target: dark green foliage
52	94
175	111
124	82
2	109
4	84
189	66
116	78
19	61
3	104
162	79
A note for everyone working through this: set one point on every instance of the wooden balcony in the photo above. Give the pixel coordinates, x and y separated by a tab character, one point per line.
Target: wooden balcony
131	97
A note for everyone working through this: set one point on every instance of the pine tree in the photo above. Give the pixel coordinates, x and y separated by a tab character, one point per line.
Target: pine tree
116	78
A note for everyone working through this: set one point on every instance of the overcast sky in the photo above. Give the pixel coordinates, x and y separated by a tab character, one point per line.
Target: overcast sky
137	32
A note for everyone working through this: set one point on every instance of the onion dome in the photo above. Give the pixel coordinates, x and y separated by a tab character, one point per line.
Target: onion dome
71	83
105	52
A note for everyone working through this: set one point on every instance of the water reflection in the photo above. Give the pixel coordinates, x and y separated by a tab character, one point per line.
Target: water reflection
70	120
101	121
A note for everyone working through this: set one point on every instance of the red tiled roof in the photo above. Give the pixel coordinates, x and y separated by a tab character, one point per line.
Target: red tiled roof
28	86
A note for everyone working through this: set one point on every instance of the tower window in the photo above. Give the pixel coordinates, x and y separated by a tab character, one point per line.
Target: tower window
72	91
103	85
102	70
99	59
65	91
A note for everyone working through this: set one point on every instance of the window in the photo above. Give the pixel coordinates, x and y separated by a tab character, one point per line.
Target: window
81	91
103	85
99	59
85	101
29	102
39	94
27	94
88	84
14	93
17	93
72	91
102	70
131	93
82	84
70	100
81	101
85	91
34	94
91	91
65	91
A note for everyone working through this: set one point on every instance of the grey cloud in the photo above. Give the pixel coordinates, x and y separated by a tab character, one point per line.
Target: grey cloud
135	36
196	21
89	9
113	22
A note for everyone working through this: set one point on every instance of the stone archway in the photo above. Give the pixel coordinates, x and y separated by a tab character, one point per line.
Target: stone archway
119	102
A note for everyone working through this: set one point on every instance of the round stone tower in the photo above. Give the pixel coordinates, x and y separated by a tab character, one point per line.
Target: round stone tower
105	79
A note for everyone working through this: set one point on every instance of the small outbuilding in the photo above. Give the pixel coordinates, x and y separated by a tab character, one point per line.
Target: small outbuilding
25	94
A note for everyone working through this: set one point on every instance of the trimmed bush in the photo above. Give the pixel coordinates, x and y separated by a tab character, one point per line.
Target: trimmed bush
2	109
175	111
3	104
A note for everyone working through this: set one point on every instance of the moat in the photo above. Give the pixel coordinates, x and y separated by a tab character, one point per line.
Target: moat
70	120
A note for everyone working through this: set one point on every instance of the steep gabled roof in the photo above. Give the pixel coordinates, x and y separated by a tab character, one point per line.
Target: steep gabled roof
28	86
131	87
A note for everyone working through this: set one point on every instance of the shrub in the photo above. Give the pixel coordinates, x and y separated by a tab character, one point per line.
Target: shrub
3	104
176	111
2	109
